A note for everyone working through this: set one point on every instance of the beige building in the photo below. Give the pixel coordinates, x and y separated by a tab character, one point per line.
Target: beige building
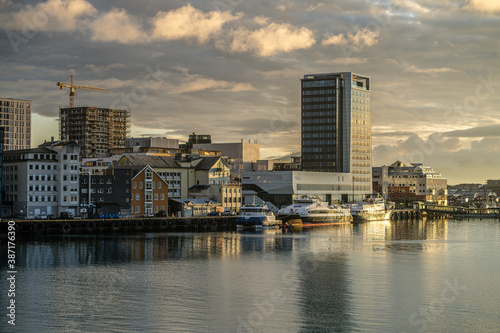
241	154
187	176
15	118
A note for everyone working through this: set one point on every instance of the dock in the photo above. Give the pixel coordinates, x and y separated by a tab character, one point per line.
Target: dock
124	225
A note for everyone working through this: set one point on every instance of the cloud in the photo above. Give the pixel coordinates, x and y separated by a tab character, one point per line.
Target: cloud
344	61
430	71
52	15
269	40
491	131
361	39
117	26
190	23
487	6
181	81
314	7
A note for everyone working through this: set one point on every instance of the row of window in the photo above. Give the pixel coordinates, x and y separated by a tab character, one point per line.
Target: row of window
318	106
138	209
318	99
149	185
10	168
72	157
319	83
318	164
321	157
43	188
43	167
318	135
317	92
318	150
226	199
318	121
44	156
318	113
149	197
355	92
42	177
317	142
318	128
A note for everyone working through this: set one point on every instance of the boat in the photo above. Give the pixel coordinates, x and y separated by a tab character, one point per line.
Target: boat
255	217
314	212
371	209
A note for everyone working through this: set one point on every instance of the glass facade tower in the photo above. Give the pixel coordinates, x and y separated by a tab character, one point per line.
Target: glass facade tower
336	126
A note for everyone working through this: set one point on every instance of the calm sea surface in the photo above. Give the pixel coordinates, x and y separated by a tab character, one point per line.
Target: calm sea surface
413	276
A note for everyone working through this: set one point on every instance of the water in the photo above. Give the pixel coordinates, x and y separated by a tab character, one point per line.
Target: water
420	276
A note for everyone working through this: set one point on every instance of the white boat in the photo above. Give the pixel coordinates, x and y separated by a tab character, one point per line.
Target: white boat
255	216
371	209
314	212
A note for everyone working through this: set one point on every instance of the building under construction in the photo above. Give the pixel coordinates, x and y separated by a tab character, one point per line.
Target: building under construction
97	130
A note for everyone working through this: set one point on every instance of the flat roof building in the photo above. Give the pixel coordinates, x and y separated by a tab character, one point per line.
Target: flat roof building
15	118
336	126
97	130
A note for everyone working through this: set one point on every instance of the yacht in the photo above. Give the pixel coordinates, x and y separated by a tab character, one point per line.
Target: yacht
371	209
314	212
255	216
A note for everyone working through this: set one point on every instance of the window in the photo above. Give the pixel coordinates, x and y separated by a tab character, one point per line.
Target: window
137	196
156	209
140	184
137	209
159	185
156	196
162	197
134	185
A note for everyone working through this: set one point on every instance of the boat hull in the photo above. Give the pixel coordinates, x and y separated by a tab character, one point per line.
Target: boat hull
371	216
255	222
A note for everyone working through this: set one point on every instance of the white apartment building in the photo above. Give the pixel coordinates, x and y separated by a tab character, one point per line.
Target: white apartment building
43	180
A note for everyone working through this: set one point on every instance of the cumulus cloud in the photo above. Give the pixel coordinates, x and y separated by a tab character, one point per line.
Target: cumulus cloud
269	40
361	39
190	23
430	71
52	15
487	6
117	26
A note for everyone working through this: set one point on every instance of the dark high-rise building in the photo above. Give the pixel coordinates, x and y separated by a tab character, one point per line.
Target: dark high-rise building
15	118
336	125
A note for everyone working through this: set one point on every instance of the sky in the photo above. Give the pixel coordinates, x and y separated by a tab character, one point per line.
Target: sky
232	69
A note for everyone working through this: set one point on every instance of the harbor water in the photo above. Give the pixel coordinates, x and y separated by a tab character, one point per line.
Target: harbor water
404	276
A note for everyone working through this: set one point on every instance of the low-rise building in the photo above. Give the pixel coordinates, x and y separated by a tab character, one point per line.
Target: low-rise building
42	181
407	182
281	187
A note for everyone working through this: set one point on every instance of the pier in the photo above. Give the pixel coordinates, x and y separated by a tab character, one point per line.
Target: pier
92	226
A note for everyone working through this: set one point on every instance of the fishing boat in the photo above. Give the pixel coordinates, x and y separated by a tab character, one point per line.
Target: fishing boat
371	209
255	217
314	212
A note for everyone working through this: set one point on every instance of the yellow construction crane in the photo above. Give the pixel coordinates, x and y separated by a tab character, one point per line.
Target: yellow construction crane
73	87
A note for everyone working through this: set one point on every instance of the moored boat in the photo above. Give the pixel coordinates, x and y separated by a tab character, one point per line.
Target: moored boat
371	209
255	217
314	212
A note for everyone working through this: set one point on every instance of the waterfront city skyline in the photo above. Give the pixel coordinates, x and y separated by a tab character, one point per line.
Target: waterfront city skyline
232	70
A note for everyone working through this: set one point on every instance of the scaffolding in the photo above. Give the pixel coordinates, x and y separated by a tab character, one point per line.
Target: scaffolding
97	130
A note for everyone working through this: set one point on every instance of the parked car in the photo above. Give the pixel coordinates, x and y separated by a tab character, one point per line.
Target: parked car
51	217
66	216
148	215
161	213
214	214
228	213
41	217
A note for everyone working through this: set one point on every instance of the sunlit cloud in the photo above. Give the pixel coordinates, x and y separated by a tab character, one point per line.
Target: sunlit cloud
269	40
488	6
359	40
190	23
430	71
52	15
117	26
